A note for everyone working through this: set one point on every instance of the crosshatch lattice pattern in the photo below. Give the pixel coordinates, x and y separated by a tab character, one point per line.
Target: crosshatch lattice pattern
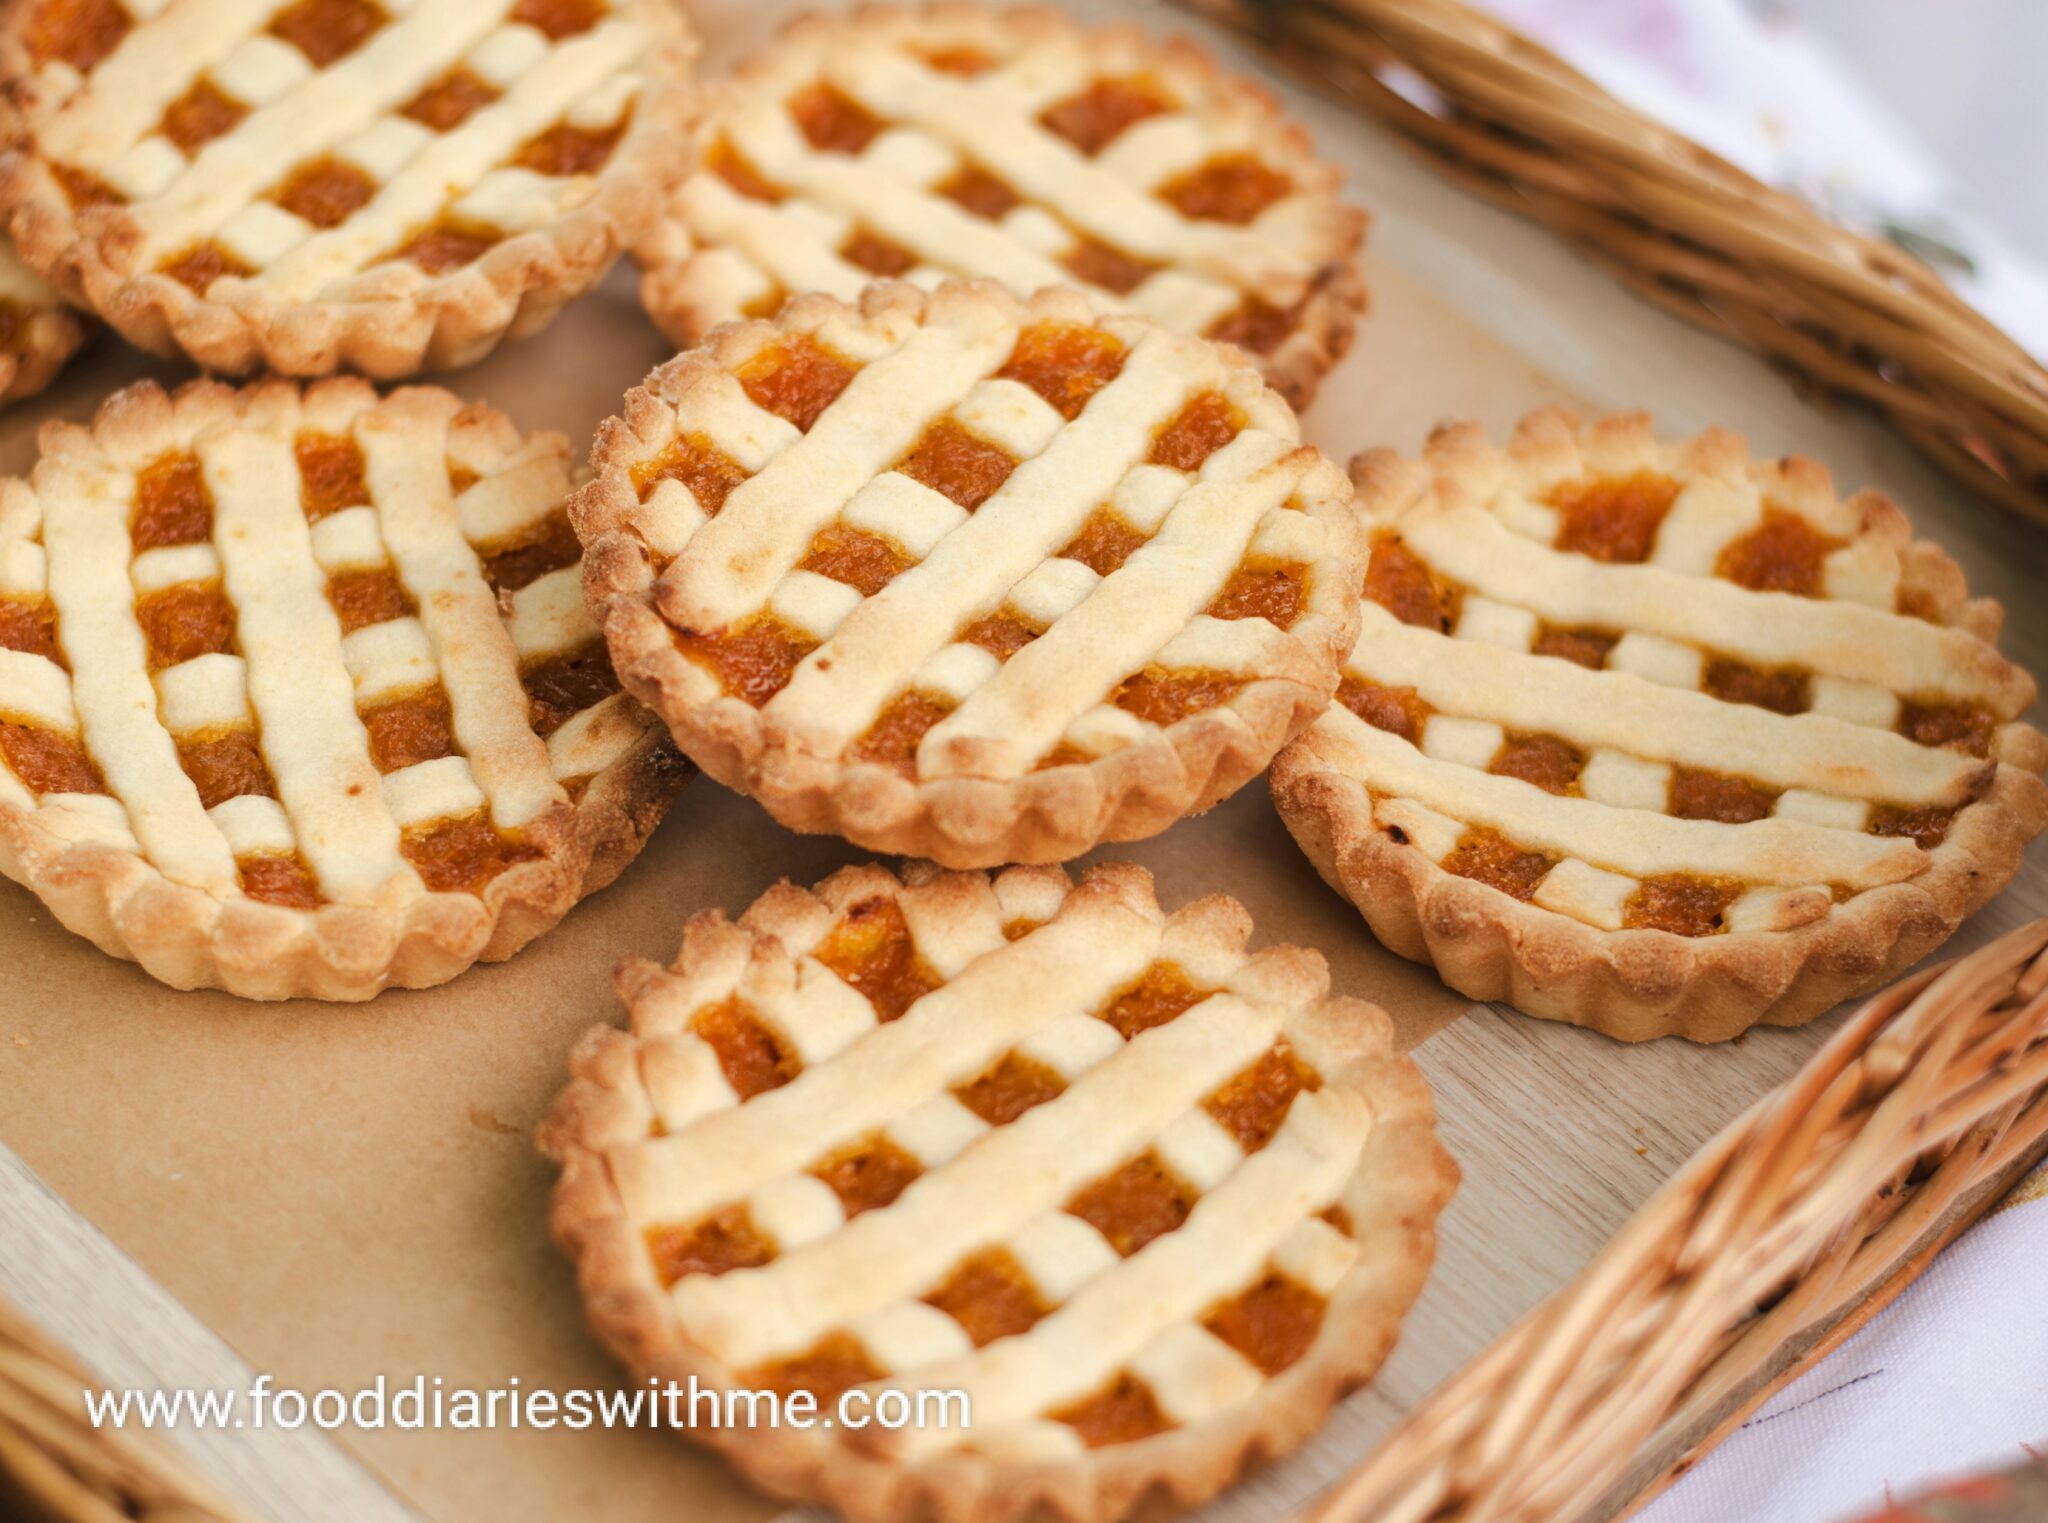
308	651
293	151
957	141
1663	686
966	539
1090	1163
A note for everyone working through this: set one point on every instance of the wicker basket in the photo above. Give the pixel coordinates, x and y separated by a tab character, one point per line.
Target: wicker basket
1847	314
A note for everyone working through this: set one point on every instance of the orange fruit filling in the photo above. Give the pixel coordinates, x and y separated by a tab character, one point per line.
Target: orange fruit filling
698	464
462	855
1203	427
284	881
567	150
225	764
362	598
1782	692
1397	710
450	100
723	1241
1103	112
47	762
410	730
1065	363
990	1296
753	1059
77	32
1584	647
1254	1103
954	463
1611	518
1273	591
172	504
831	121
29	627
1132	1205
1162	992
1781	554
325	191
559	18
1105	542
561	687
891	741
330	474
872	951
752	661
1491	858
1272	1324
1698	794
1680	903
1234	188
863	561
1009	1089
868	1175
1166	698
1401	582
200	115
1120	1413
1545	761
541	548
186	622
796	380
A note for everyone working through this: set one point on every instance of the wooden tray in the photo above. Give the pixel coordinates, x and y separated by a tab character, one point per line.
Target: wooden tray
193	1188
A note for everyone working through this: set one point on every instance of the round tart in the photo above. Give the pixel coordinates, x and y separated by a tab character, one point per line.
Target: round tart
967	577
297	691
957	140
381	185
1150	1203
38	332
1657	738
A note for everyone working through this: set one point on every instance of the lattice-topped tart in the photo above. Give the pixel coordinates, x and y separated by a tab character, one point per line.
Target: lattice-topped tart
298	695
38	331
1151	1203
1655	737
958	140
966	577
380	185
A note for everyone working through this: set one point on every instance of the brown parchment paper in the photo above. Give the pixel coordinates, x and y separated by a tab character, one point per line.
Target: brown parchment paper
347	1192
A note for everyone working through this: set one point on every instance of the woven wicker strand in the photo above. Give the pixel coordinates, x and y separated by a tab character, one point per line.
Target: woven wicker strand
1793	1218
55	1467
1847	314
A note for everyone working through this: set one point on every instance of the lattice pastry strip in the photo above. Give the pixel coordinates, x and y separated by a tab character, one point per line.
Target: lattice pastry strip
1014	145
1719	746
970	577
296	696
38	332
305	184
1149	1201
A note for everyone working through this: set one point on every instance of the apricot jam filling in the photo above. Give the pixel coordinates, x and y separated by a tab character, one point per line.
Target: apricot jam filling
1488	857
362	598
449	101
1698	794
1002	634
951	461
1613	518
200	115
461	855
1102	113
325	191
172	504
1397	710
1782	692
833	122
796	380
185	622
1121	1412
47	762
1104	265
978	191
1163	698
543	547
560	18
738	171
698	464
410	730
1966	727
964	63
1258	327
1105	542
1271	590
1401	582
1680	903
1272	1323
1132	1205
891	741
29	627
225	764
1065	363
569	150
84	189
1589	648
752	1058
326	30
1161	993
752	661
1782	554
77	32
1203	427
1234	188
284	881
834	1366
1009	1089
723	1241
331	474
1252	1105
868	1175
990	1296
559	688
872	951
863	561
1544	761
448	244
877	255
1926	827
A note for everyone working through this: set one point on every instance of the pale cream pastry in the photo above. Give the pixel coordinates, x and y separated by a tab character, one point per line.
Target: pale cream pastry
306	185
1149	1203
1656	737
298	695
968	577
958	140
39	332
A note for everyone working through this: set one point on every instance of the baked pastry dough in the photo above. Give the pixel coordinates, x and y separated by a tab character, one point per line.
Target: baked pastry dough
298	694
1151	1203
38	332
378	185
966	577
958	140
1658	738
